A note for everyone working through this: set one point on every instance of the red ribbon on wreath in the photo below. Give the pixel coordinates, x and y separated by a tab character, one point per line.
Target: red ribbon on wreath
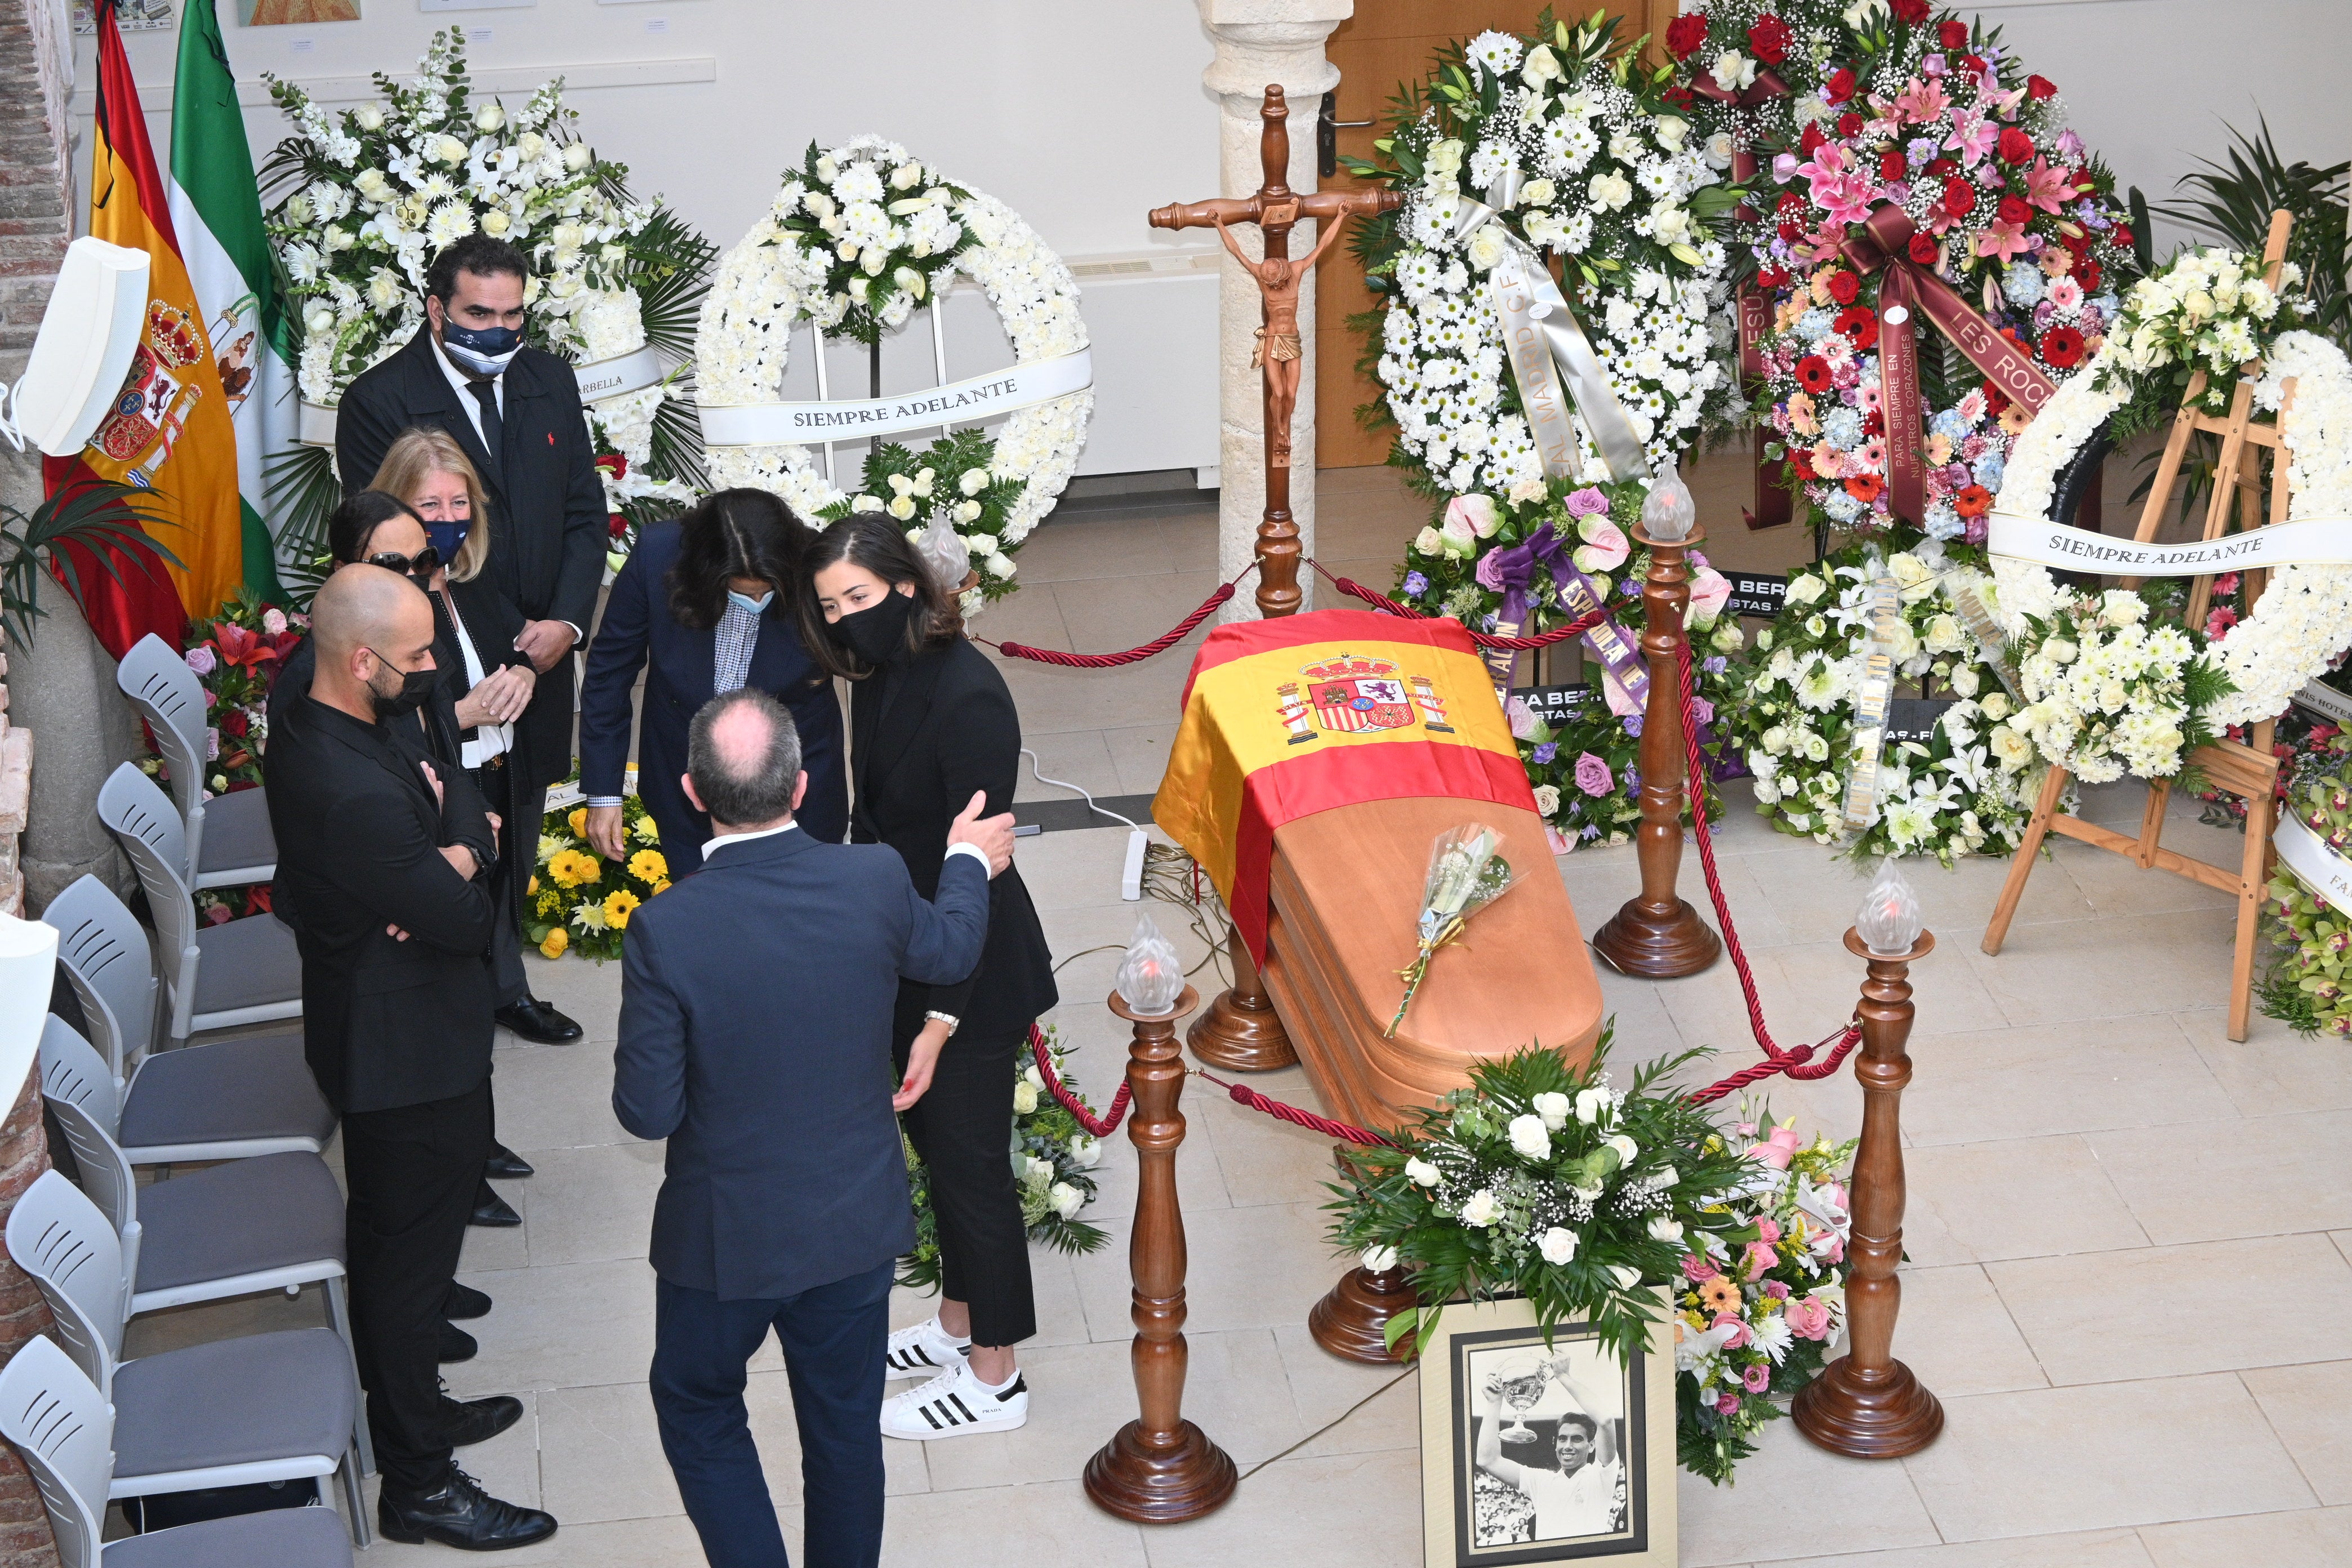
1774	506
1910	287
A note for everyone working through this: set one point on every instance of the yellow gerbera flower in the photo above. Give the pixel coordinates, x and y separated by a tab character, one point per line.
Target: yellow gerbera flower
1720	1295
578	822
557	941
617	906
647	866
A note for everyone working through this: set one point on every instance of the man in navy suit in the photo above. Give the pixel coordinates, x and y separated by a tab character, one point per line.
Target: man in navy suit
755	1036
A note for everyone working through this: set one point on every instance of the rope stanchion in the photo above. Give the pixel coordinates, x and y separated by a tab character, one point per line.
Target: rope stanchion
1159	643
1798	1063
1101	1126
1242	1094
1354	589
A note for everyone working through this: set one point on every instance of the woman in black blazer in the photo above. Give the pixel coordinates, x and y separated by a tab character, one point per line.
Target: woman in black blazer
704	605
932	726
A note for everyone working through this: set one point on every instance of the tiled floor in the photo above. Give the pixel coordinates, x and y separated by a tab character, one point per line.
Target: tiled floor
2127	1236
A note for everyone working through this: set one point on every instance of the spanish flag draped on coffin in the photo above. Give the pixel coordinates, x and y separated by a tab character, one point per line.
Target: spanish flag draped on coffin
169	431
1318	758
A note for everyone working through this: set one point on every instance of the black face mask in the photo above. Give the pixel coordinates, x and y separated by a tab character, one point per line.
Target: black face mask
877	634
415	686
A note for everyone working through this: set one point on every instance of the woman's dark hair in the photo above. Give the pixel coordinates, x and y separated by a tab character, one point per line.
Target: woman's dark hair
354	523
872	540
734	533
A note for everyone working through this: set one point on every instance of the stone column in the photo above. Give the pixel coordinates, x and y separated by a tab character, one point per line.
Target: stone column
62	684
1260	42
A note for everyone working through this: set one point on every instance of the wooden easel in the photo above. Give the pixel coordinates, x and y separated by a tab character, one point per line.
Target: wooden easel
2243	769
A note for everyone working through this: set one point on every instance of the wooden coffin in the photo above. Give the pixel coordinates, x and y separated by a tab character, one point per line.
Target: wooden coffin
1346	889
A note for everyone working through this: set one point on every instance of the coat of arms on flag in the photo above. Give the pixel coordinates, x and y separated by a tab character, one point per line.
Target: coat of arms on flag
1352	694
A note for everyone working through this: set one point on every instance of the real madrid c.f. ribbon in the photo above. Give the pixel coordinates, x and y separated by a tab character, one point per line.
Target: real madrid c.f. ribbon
964	402
1551	359
2308	542
1871	700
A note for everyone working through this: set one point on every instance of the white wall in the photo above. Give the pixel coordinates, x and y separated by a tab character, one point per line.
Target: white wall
1082	114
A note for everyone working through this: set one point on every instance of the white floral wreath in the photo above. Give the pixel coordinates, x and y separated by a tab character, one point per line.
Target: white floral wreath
2303	621
774	280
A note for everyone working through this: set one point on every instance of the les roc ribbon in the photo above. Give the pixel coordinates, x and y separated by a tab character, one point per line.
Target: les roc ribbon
1551	359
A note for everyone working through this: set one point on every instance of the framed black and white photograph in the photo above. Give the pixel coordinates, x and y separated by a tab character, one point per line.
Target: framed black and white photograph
1543	1453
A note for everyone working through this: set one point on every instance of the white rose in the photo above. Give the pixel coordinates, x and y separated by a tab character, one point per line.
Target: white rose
1529	1138
1421	1173
1592	1104
1626	1148
1558	1244
1996	704
1482	1210
319	319
1554	1108
530	144
1548	799
1066	1199
490	117
902	508
448	149
577	157
1664	1229
1672	128
1086	1153
967	511
1537	193
1486	247
1442	157
1025	1098
1944	635
974	481
369	117
866	503
495	222
1610	191
1380	1259
1626	1277
1804	590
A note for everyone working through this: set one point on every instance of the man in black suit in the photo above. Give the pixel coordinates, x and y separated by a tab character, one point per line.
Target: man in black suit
516	412
755	1036
385	854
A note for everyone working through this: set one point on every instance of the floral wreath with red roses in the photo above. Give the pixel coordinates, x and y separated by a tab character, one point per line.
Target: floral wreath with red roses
1911	146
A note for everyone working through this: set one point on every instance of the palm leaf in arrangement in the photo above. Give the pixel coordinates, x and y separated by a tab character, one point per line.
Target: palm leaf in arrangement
302	491
102	518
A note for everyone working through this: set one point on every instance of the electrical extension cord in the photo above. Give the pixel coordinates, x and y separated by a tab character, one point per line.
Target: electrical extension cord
1130	879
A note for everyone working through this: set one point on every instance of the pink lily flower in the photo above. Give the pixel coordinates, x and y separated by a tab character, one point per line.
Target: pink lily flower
2047	188
1922	103
2004	103
1972	137
2005	240
1841	188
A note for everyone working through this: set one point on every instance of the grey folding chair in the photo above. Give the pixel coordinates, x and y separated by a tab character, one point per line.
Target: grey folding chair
263	1407
229	841
62	1426
215	977
271	1223
229	1100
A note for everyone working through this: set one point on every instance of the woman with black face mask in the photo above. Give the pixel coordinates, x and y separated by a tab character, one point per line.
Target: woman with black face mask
931	724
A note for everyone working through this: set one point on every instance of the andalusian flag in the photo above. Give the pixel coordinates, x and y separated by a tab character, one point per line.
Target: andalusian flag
216	212
1289	717
170	430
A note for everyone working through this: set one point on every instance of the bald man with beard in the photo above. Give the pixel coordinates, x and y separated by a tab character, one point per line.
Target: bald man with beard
384	853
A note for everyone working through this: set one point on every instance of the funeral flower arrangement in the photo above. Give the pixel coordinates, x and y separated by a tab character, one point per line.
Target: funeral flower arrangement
365	198
1568	139
1052	1160
859	237
2308	984
1934	133
1543	1181
1577	538
1761	1299
578	902
235	656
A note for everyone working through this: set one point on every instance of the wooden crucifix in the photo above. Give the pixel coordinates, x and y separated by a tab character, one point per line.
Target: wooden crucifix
1276	209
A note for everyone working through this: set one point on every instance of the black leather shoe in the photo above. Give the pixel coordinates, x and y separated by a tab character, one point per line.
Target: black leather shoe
471	1421
464	1301
457	1344
506	1164
459	1513
489	1209
535	1021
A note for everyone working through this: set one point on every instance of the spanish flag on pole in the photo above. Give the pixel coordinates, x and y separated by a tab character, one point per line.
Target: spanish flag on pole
169	431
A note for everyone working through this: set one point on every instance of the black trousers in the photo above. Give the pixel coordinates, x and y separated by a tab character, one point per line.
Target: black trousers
517	850
963	1127
411	1172
832	1338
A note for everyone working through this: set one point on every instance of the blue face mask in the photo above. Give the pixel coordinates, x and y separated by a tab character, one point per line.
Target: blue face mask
485	351
448	537
745	600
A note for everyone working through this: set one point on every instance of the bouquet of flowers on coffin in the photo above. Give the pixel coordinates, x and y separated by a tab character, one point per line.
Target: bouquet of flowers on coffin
1467	873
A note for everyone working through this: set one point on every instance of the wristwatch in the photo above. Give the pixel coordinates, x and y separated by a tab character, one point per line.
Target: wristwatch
949	1019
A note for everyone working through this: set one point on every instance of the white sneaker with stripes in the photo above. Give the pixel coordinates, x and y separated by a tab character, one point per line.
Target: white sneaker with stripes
955	1404
923	1350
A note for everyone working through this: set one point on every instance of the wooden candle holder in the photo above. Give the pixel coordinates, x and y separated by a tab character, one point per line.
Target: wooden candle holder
1866	1404
1658	935
1159	1468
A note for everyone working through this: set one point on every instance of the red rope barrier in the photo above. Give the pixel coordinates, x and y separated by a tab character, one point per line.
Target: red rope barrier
1575	628
1101	1126
1797	1063
1242	1094
1159	643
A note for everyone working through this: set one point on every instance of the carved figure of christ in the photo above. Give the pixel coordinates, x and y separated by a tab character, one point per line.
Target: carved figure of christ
1278	348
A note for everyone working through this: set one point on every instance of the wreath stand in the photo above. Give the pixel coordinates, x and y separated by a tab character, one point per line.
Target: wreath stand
2243	769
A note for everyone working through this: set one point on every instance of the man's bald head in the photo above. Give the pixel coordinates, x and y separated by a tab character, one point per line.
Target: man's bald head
744	759
367	607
